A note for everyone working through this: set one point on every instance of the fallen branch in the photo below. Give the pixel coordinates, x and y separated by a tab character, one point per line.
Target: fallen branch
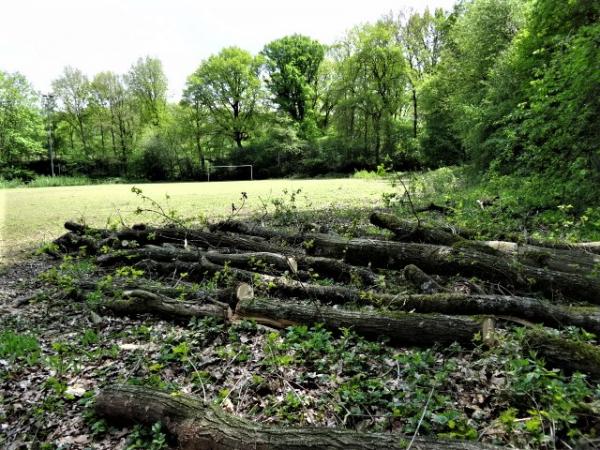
139	301
199	425
449	261
401	328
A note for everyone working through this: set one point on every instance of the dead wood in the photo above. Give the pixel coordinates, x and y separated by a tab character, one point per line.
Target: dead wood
564	353
263	262
401	328
199	425
410	231
450	261
572	261
140	301
421	280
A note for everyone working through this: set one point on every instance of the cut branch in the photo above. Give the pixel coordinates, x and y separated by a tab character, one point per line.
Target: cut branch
399	327
445	260
199	425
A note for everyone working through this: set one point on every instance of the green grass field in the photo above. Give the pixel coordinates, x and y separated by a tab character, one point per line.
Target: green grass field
30	216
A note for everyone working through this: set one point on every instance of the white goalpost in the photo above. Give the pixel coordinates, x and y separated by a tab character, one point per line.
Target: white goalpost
210	167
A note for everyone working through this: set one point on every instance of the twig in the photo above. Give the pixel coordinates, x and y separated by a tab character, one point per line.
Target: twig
199	378
421	419
410	202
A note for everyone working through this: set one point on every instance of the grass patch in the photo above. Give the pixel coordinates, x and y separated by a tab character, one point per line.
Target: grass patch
14	346
502	207
30	216
59	181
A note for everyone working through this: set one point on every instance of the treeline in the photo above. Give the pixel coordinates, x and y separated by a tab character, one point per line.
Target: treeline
510	85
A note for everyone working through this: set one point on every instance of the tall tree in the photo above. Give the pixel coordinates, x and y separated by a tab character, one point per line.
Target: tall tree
111	97
21	124
194	114
228	86
292	64
374	79
148	84
73	91
420	36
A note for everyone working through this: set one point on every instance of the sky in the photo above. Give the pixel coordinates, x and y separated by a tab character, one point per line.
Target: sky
38	38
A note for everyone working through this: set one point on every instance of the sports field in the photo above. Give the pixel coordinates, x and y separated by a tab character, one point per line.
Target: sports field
30	216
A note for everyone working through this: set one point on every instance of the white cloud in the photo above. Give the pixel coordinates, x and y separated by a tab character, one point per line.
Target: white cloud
40	37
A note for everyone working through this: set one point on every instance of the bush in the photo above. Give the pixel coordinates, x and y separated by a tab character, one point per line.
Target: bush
18	174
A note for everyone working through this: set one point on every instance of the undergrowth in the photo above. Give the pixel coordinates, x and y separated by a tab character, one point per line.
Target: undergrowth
503	206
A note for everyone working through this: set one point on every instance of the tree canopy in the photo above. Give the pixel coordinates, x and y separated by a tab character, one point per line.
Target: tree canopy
504	85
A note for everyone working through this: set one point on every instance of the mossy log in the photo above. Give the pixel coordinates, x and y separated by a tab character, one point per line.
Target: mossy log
140	301
236	226
400	327
199	425
526	308
199	238
264	262
572	261
421	280
565	354
530	309
446	260
410	231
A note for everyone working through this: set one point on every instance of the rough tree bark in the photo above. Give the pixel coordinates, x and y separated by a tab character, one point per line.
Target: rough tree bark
198	425
445	260
140	301
399	327
573	261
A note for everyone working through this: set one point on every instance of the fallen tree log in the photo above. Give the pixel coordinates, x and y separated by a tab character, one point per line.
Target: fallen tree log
530	309
445	260
140	301
566	354
405	230
526	308
574	261
180	236
421	280
199	425
264	262
400	327
236	226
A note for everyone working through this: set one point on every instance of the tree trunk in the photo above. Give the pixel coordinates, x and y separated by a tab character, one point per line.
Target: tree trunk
143	302
405	230
573	261
415	117
199	238
564	353
199	425
444	260
401	328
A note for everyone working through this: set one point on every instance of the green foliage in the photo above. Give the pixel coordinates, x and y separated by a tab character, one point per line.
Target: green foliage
547	403
519	207
292	63
148	85
15	346
147	438
21	125
286	208
229	87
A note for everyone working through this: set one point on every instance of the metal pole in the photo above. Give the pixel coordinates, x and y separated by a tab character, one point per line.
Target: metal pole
251	175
